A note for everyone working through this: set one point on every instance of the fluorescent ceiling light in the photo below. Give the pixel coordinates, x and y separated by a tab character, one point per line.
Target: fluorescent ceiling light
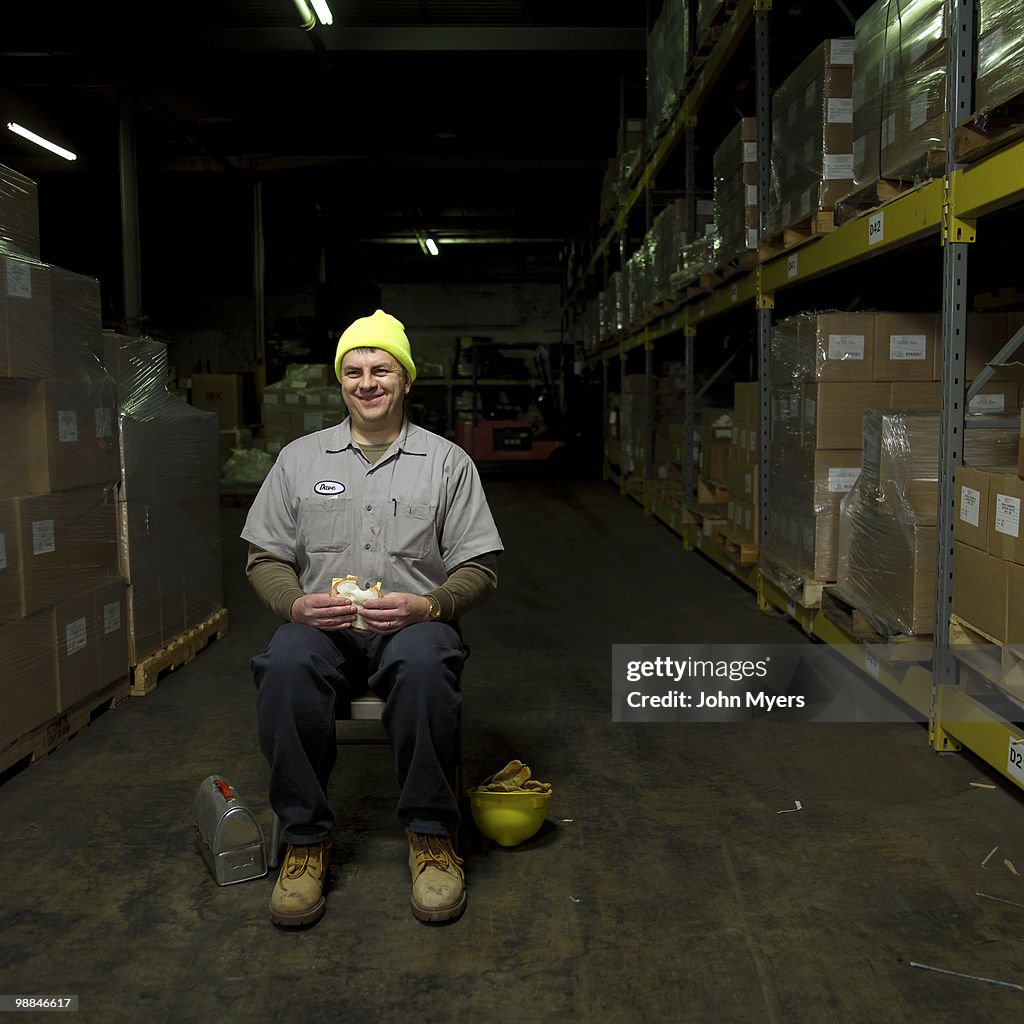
323	12
431	246
40	141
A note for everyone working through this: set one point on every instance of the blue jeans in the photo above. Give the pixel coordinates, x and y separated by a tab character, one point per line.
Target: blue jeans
415	671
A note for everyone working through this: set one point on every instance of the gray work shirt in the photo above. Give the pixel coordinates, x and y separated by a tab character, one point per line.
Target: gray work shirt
408	520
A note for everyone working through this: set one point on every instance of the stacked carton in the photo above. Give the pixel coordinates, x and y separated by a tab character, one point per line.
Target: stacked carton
667	44
735	172
988	573
899	90
168	508
306	400
812	137
743	465
887	536
62	613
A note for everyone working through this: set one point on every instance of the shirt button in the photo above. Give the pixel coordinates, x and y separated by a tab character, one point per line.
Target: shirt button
369	508
367	547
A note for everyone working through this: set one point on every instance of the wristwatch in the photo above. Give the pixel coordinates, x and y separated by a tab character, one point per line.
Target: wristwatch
435	607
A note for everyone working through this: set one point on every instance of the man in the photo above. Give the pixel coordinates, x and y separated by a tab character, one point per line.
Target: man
383	500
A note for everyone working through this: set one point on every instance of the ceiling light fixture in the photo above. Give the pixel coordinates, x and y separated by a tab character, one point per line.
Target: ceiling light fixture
431	246
323	12
306	14
40	141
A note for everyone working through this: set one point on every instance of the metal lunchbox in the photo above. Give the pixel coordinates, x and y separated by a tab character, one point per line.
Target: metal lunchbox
229	836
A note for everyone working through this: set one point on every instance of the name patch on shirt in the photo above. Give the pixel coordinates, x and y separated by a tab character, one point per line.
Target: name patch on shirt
328	487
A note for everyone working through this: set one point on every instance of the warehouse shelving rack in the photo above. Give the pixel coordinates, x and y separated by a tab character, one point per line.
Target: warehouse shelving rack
945	209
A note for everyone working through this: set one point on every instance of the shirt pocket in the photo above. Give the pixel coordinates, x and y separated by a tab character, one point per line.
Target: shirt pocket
412	532
325	524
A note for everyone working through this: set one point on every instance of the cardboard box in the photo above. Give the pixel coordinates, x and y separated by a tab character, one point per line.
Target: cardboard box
741	478
904	346
838	346
26	319
714	451
971	521
88	517
1014	603
19	214
35	552
74	638
980	582
747	401
750	446
915	396
1005	536
111	615
222	393
57	434
833	413
995	399
28	695
819	544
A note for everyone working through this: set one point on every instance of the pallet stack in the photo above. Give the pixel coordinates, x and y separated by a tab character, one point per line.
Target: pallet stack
63	618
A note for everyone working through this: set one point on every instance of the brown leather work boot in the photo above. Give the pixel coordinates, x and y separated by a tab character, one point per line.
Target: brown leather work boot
438	881
298	896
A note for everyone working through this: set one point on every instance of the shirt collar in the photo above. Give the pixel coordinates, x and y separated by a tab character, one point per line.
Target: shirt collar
411	439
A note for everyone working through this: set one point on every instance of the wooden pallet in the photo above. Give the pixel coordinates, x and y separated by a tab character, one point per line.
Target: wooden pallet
820	223
709	517
179	651
893	648
738	551
801	590
719	275
711	492
46	738
869	198
989	130
994	660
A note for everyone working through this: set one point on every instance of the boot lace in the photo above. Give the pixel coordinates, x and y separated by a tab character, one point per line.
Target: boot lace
437	851
299	858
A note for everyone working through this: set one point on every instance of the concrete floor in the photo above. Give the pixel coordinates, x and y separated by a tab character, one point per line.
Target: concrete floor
663	887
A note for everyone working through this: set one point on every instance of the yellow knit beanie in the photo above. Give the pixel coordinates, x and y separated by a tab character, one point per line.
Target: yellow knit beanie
381	331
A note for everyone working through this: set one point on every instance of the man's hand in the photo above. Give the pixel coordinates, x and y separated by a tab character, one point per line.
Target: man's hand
394	611
324	611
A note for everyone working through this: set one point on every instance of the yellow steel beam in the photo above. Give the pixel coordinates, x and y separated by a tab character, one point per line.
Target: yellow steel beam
991	184
913	215
977	729
733	294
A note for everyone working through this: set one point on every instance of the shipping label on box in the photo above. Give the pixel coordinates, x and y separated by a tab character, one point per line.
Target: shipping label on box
1004	525
970	524
904	346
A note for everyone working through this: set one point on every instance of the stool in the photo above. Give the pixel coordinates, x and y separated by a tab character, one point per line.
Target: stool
367	708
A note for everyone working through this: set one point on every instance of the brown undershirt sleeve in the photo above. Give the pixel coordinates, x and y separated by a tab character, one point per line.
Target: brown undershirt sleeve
274	579
469	585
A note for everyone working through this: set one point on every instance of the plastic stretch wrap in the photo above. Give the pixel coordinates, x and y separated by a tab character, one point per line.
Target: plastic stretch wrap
305	400
62	612
812	136
735	181
887	538
899	90
666	64
807	487
1000	54
19	214
168	510
822	346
